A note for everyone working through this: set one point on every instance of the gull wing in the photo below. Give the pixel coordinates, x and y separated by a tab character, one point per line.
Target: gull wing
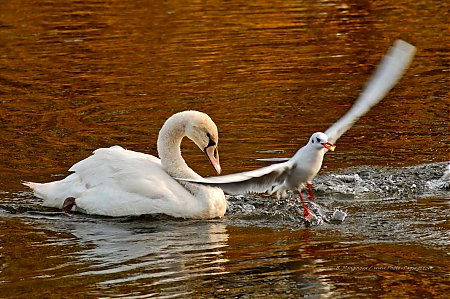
390	70
271	178
261	180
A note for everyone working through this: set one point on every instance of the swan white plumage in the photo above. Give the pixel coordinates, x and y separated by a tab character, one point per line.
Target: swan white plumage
119	182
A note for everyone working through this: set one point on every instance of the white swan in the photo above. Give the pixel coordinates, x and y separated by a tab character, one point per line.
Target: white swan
119	182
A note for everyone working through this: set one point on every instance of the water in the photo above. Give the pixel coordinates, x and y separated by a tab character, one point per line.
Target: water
76	76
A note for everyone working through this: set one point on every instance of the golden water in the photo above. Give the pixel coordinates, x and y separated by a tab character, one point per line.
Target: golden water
78	75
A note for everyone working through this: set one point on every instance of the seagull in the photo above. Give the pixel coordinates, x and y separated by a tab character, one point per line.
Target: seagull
297	172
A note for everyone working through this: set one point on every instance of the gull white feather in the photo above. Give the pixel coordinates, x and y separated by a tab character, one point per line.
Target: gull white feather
297	172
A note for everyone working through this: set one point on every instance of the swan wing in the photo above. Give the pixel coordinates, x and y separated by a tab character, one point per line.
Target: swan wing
109	162
263	180
134	184
389	72
116	182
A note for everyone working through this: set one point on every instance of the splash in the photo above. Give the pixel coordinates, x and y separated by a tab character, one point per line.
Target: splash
333	190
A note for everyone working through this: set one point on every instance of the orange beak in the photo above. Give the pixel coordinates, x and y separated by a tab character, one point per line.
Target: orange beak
329	146
213	155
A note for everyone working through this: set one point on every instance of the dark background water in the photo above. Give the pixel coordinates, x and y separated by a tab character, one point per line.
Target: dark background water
76	75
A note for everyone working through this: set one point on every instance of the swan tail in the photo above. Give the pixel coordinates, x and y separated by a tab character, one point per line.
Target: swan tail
37	188
54	193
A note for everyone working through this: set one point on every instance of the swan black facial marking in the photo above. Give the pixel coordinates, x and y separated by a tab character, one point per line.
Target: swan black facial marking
211	142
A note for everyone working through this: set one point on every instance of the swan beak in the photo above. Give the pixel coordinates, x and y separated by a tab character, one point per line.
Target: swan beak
329	146
213	156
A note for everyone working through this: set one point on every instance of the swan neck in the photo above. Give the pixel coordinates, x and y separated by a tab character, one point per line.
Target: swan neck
169	144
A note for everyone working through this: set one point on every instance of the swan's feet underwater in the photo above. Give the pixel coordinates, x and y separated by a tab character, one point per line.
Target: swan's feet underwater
68	204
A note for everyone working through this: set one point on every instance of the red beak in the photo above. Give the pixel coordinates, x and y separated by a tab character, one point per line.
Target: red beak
329	146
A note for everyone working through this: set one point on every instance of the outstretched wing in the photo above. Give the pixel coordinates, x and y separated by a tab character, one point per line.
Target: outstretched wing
269	179
390	70
266	179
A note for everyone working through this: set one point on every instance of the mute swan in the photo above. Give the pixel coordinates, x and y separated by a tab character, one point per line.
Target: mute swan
119	182
298	172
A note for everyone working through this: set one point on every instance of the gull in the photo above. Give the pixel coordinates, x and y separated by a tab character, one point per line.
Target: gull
298	172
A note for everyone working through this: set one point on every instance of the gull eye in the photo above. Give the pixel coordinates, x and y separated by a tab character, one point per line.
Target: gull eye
317	139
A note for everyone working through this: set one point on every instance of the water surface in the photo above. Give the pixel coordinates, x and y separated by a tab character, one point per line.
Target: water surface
75	76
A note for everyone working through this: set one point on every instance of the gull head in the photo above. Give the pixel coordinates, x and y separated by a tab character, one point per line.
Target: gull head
202	130
319	141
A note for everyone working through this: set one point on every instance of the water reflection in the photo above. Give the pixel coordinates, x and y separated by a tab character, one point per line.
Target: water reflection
148	251
163	256
236	256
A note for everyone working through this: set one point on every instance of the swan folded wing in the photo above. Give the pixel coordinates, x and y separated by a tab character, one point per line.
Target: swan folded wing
119	182
107	162
389	72
130	195
264	180
99	175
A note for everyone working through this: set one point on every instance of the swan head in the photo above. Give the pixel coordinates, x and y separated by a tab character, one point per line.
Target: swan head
203	132
319	140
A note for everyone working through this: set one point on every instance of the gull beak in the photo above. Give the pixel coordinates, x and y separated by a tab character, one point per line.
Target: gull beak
213	155
329	146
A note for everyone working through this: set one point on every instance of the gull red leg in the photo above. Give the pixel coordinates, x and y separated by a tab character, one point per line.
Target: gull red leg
311	194
306	211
